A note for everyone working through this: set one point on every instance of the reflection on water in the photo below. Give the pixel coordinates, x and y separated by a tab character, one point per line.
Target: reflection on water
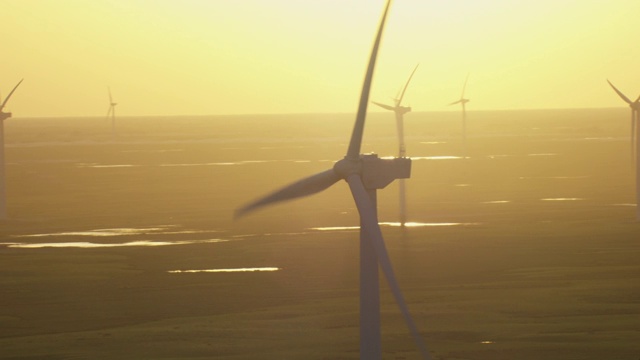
336	228
86	245
244	162
152	151
562	199
109	232
422	224
95	165
624	204
498	156
487	342
497	202
394	224
432	142
551	177
462	185
224	270
542	154
443	157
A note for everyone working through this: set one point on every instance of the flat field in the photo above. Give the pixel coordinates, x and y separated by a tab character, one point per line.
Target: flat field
526	249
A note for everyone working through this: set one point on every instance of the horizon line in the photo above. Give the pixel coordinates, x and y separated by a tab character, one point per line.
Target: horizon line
314	113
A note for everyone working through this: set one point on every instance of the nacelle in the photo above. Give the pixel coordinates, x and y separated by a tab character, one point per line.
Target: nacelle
377	173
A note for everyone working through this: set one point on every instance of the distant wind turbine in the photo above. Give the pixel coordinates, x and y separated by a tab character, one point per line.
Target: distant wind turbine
365	174
3	117
399	111
635	135
635	109
112	112
463	101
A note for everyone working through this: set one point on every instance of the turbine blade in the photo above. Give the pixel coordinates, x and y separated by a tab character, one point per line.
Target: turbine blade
11	93
388	107
407	84
369	221
456	102
464	87
638	99
626	99
358	128
305	187
110	97
109	111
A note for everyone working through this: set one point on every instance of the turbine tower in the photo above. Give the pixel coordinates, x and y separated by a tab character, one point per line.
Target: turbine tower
399	111
3	117
463	101
112	113
365	174
635	134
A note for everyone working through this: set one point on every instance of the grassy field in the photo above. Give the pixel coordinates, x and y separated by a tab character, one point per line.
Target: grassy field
540	259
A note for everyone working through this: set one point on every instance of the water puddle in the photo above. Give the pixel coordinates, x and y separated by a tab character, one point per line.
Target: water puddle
609	138
336	228
552	177
256	269
244	162
152	151
423	224
394	224
91	245
111	232
562	199
96	166
443	157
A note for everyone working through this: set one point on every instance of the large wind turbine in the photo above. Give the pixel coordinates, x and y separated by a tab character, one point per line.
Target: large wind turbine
112	112
3	117
463	101
399	111
635	135
364	174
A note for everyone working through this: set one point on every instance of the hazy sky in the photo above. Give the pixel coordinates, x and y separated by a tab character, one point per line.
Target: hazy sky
176	57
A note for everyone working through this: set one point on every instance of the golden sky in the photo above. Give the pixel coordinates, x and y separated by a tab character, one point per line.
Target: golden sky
198	57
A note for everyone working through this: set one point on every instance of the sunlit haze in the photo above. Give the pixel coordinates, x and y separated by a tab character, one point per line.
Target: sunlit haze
190	57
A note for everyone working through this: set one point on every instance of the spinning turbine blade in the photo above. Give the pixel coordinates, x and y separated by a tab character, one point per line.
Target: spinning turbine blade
110	97
456	102
626	99
353	152
464	87
11	93
388	107
406	85
305	187
371	227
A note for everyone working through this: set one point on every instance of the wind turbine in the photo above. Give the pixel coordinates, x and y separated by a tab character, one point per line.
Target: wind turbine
635	134
635	108
400	110
3	117
112	112
365	174
463	101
